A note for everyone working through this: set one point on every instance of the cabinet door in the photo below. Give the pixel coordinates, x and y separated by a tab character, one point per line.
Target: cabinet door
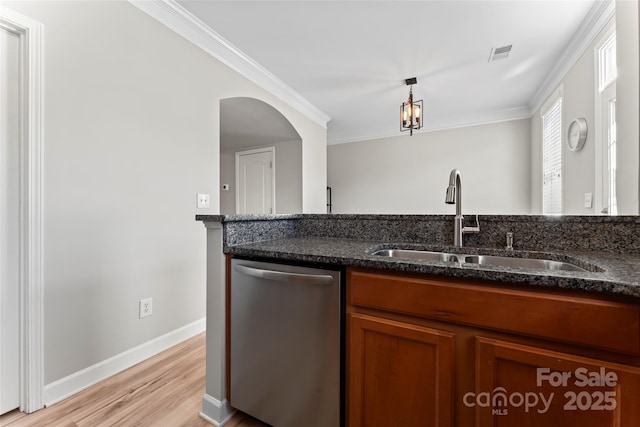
526	386
399	374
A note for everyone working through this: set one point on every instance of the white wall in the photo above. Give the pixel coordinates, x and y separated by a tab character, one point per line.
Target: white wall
579	101
288	185
409	174
314	170
578	166
131	136
385	176
628	107
228	176
289	177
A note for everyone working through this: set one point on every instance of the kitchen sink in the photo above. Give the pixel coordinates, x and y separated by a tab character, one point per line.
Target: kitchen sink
538	264
488	260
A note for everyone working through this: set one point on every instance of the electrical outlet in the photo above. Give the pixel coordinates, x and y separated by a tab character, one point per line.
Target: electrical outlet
146	307
204	201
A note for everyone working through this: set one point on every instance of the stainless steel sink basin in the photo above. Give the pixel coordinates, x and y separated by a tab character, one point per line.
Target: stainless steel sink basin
413	254
489	260
538	264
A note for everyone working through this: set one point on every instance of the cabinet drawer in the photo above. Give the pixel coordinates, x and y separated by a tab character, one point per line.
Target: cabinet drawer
590	322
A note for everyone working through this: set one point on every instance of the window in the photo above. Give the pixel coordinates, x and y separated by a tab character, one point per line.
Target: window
606	153
552	159
607	70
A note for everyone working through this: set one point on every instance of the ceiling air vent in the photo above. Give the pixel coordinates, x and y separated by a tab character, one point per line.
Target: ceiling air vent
499	53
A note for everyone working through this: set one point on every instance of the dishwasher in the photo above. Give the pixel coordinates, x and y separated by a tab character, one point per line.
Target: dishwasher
285	343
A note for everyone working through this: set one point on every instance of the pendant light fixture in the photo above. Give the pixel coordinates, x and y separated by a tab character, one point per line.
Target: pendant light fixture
410	110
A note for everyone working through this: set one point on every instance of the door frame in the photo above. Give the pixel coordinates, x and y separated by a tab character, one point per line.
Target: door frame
31	323
271	150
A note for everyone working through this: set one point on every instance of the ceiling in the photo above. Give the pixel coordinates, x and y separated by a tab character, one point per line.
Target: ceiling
350	58
249	122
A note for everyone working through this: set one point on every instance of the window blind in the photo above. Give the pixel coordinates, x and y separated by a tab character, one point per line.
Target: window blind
552	159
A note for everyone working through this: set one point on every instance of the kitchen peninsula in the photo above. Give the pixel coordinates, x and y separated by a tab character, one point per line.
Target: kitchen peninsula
463	344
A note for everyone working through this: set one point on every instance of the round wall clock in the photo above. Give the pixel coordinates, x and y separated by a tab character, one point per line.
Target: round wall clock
577	134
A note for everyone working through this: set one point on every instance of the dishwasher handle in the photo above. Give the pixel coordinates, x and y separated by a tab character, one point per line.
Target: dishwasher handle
283	276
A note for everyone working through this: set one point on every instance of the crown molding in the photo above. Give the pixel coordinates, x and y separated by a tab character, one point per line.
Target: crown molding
600	14
466	121
180	20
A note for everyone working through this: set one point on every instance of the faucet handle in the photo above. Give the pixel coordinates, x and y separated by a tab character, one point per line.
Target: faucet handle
475	229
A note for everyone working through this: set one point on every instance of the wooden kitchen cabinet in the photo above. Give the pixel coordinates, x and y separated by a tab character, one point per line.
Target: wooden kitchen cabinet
401	374
531	386
432	351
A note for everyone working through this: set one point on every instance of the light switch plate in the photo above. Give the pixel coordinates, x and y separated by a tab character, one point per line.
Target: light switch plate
204	201
588	200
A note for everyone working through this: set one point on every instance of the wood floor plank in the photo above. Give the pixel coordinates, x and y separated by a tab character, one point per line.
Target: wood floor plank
165	390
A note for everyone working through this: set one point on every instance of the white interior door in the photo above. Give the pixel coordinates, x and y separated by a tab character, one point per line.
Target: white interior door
9	219
255	181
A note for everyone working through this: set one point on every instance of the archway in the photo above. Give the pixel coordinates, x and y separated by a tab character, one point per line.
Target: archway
248	124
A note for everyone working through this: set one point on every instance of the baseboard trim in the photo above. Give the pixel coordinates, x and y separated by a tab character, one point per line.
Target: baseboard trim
216	412
78	381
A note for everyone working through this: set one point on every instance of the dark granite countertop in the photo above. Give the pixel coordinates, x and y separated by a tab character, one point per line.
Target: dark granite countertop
610	244
618	273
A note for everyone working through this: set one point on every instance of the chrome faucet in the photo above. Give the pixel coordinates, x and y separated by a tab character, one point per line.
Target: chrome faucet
454	196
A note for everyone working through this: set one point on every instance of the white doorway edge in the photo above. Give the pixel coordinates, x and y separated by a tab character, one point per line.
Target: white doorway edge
31	228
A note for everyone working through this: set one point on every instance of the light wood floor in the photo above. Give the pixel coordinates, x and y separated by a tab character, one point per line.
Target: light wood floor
165	390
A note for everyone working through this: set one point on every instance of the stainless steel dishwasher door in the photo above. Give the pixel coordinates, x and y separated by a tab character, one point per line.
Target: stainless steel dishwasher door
285	343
